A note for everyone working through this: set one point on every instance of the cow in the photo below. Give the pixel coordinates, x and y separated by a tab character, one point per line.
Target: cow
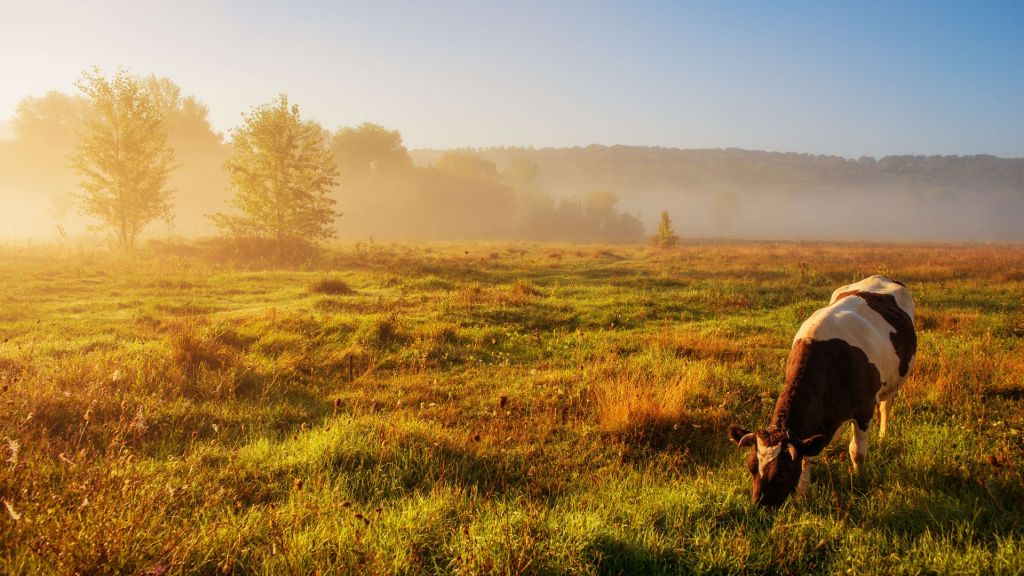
846	358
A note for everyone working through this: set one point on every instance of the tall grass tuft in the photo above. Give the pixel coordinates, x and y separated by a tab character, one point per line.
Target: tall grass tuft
333	286
634	401
195	347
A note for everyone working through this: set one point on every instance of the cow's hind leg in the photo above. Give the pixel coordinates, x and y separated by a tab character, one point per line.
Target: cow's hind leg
884	410
859	444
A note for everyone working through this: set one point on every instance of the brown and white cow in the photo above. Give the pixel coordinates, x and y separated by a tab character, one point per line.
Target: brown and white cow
846	358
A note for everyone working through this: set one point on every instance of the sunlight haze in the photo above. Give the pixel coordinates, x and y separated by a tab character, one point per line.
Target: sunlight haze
549	121
511	287
851	78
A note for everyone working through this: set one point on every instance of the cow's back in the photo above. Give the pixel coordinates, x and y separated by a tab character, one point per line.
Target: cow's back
874	316
880	285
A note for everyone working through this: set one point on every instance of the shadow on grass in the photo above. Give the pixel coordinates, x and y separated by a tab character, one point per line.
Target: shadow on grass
537	316
698	438
991	504
618	556
370	467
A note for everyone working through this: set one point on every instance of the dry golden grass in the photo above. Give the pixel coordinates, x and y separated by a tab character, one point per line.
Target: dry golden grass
631	400
560	409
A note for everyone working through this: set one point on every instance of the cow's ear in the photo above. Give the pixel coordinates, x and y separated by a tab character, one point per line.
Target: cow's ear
813	446
740	436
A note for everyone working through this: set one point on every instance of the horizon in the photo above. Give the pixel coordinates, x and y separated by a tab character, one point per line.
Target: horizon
833	80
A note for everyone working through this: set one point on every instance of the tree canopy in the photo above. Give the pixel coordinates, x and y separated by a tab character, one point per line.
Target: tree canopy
369	150
123	158
281	171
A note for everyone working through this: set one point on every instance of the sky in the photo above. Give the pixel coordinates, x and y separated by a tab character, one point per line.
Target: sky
845	78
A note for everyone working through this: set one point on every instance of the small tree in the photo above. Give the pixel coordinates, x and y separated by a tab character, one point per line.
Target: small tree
281	171
122	156
666	236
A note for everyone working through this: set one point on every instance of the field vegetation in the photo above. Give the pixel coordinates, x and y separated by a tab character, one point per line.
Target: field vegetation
488	408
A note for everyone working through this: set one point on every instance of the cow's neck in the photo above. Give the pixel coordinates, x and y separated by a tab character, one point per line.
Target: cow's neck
800	409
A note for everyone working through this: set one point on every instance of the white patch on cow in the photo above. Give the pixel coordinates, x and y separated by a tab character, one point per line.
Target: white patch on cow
853	321
880	285
766	454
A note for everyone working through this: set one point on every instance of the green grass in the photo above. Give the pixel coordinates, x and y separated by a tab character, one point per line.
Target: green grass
511	409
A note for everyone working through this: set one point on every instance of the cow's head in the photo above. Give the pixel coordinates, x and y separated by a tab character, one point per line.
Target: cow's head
775	461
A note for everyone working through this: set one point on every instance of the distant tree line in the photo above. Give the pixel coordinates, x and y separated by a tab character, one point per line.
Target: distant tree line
139	153
461	195
735	192
583	194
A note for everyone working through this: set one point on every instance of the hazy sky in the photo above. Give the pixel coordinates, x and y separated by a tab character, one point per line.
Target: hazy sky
846	78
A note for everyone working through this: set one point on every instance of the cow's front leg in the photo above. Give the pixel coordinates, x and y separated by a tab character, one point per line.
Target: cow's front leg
859	445
803	486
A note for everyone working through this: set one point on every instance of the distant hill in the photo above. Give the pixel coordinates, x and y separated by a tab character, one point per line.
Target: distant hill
749	193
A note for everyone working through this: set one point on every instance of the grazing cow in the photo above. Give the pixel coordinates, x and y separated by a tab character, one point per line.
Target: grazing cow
846	358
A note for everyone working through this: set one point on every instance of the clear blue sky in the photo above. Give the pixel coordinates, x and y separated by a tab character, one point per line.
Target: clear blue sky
847	78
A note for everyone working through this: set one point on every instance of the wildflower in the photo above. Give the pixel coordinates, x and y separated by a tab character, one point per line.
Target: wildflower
139	422
14	447
10	511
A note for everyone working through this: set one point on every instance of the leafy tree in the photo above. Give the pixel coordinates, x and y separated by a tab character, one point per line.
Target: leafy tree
200	183
666	236
50	120
369	150
122	156
377	182
281	171
472	199
535	208
599	207
35	175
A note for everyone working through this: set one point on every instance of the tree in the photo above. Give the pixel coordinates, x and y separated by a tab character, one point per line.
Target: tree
474	201
36	176
281	171
200	183
666	236
599	208
122	156
369	150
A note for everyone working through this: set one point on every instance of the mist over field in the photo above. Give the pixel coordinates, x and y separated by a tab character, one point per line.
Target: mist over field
756	194
589	194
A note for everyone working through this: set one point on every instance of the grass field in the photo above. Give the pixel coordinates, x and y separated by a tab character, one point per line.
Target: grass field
489	408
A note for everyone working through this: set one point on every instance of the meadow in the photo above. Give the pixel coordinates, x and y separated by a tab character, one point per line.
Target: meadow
489	408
